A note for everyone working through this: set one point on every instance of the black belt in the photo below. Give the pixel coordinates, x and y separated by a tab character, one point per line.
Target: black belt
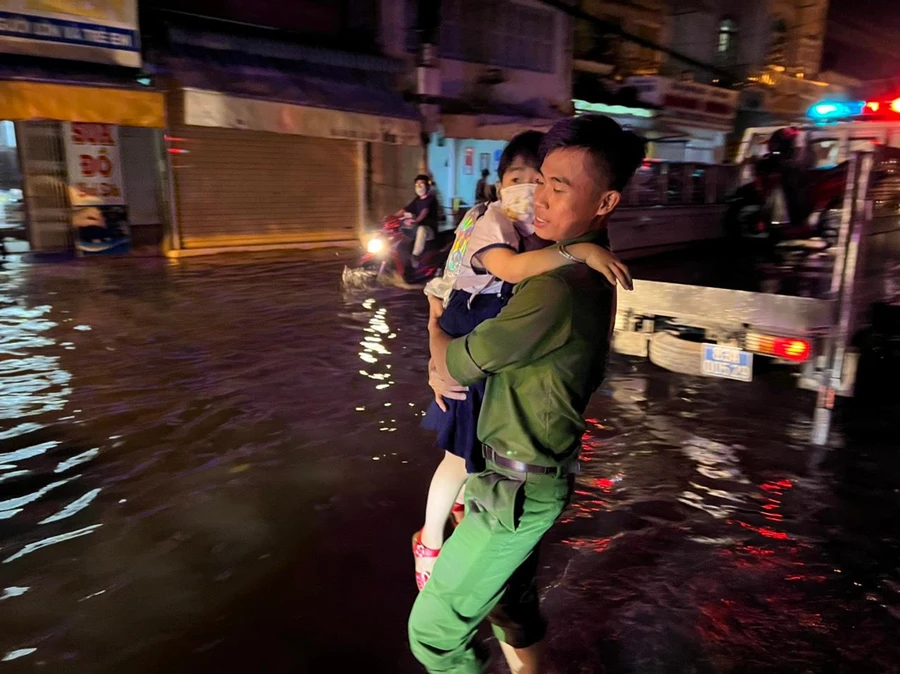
491	455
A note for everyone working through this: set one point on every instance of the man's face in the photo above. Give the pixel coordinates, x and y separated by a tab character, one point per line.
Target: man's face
421	188
570	196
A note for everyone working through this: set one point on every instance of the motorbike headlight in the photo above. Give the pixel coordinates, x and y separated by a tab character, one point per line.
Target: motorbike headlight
375	246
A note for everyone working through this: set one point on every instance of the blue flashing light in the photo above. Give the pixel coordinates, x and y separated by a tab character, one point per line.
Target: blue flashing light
834	110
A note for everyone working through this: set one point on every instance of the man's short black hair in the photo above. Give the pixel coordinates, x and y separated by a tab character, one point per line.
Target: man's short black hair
424	178
485	173
616	153
525	146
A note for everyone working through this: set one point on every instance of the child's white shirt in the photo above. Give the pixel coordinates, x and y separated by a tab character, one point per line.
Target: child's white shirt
482	229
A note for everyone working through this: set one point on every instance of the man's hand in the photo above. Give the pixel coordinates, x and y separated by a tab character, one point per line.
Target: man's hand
444	388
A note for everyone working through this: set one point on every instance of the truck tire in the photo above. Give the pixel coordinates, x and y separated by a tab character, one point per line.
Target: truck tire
672	353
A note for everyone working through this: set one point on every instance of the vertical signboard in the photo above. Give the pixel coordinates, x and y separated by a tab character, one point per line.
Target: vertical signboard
96	188
101	31
469	163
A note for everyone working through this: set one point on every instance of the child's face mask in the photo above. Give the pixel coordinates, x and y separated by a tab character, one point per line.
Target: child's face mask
517	202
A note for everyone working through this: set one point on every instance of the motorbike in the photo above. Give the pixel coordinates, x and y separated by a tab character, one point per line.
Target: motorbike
390	252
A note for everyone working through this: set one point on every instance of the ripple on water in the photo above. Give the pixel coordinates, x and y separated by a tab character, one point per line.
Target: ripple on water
222	420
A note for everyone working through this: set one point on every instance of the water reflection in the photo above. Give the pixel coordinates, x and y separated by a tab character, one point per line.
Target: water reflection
196	470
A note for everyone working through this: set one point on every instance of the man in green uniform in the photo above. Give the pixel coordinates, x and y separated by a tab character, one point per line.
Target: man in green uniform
543	357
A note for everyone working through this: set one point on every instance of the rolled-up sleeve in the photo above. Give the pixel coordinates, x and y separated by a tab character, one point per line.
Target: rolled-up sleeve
536	322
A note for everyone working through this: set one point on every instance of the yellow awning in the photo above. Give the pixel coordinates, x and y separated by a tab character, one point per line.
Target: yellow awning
23	101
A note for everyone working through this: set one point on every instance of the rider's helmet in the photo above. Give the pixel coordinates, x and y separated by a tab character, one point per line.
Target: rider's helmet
783	143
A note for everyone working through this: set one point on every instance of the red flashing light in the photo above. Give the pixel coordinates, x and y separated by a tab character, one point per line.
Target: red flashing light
871	106
796	350
895	105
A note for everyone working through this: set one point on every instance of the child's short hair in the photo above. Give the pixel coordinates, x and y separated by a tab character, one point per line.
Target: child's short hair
616	153
525	146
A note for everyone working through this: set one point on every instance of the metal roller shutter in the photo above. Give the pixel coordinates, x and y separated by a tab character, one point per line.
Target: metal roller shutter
245	188
393	169
45	185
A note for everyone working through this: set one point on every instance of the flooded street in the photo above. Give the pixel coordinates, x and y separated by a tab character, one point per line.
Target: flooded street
215	465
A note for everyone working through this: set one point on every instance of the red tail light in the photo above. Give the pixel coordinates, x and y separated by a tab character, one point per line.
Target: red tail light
786	348
796	350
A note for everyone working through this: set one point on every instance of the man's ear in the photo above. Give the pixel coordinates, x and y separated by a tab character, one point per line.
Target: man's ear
608	203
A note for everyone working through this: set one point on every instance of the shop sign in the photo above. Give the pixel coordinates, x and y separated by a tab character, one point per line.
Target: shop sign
104	31
469	162
687	101
96	188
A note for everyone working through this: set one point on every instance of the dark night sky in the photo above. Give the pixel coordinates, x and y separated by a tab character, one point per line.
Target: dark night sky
863	38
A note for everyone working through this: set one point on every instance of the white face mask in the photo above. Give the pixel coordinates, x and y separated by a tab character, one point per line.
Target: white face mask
517	202
421	190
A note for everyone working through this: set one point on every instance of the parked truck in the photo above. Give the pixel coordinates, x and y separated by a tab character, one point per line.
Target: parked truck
815	302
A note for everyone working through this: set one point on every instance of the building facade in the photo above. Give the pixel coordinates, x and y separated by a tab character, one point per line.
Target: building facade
282	138
483	70
770	50
743	64
81	158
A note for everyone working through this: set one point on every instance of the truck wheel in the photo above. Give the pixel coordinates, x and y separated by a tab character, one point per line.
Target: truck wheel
672	353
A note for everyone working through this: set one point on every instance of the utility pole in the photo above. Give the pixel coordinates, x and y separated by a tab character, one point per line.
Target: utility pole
428	70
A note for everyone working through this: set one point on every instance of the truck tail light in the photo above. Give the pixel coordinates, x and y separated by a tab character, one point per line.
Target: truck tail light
787	348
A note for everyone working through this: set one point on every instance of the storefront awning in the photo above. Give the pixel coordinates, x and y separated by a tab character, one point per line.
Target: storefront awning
23	101
268	85
219	110
490	127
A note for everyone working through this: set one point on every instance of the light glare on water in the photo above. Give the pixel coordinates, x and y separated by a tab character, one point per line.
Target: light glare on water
216	465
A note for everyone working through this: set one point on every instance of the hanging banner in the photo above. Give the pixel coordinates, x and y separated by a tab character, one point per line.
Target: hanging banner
100	31
469	161
96	188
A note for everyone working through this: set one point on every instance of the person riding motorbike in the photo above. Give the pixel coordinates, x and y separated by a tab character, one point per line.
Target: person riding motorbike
422	211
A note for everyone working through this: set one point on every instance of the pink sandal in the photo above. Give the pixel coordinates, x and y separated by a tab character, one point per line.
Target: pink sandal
421	552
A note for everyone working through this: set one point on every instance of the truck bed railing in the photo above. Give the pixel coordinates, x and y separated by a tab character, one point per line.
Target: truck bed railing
680	184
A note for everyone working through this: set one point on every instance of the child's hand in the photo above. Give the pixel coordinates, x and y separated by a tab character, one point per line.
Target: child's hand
601	260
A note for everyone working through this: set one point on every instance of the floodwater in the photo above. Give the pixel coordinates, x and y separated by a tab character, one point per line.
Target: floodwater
215	465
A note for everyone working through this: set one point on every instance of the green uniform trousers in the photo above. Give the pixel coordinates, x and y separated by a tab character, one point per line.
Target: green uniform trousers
487	570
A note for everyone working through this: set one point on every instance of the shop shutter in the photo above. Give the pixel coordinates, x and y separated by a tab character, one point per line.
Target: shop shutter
244	188
45	186
393	168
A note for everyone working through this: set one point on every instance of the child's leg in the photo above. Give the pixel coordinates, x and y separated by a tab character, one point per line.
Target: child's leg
446	485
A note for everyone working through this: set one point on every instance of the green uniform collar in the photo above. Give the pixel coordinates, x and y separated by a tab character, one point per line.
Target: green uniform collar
598	236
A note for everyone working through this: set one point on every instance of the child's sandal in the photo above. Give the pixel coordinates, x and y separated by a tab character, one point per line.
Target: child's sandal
421	552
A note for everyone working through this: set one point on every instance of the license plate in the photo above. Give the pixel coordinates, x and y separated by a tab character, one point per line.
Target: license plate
726	362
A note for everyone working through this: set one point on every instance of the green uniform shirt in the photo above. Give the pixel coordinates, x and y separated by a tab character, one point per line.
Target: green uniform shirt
543	357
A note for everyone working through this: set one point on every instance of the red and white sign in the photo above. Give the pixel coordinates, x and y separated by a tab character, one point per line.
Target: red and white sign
469	163
688	101
93	164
